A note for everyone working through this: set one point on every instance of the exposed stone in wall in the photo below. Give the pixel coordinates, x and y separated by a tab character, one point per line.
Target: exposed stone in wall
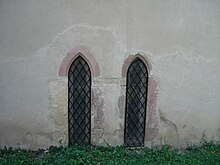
97	117
58	111
112	130
107	125
119	132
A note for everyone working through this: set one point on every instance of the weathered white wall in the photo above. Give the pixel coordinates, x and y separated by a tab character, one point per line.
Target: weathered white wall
180	39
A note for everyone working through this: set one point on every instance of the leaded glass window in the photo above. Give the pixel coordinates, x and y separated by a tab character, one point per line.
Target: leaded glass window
79	102
136	103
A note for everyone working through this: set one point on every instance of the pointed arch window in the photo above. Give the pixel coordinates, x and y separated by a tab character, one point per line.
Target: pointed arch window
79	102
136	103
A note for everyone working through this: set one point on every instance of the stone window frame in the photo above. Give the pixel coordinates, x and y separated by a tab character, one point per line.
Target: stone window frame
86	55
131	58
152	116
96	100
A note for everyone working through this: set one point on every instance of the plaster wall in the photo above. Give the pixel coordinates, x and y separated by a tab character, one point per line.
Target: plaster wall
180	40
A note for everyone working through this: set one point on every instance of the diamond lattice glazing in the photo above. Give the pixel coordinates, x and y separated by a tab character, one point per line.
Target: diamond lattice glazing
79	102
136	104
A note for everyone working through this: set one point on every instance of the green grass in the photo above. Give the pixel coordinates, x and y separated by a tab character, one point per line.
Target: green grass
208	153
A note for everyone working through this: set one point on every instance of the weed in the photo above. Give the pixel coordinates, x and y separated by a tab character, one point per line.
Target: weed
207	153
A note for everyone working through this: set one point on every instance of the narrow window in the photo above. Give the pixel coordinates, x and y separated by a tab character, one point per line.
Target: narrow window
79	102
136	103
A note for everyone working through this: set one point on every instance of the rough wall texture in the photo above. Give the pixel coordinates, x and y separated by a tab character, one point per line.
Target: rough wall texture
180	40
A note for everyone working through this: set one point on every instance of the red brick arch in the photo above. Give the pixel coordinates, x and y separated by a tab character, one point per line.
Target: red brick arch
73	54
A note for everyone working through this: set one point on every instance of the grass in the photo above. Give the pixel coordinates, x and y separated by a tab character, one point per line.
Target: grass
207	153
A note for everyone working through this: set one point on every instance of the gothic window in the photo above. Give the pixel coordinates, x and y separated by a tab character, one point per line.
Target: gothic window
79	102
136	103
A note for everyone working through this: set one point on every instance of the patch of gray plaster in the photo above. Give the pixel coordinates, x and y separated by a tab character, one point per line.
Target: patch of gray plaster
151	134
218	133
97	121
121	106
31	140
168	131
